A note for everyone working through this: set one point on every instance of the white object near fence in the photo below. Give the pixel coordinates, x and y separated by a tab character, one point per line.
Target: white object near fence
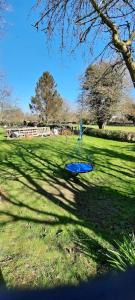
28	132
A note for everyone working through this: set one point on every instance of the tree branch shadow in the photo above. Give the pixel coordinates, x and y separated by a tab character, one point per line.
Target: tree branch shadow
90	206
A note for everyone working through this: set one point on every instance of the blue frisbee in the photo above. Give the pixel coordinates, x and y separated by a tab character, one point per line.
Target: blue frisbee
79	167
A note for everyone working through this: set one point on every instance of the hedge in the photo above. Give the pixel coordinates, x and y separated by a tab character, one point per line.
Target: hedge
116	135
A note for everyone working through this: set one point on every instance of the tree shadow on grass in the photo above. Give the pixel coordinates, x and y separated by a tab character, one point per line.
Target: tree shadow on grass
92	249
105	211
2	281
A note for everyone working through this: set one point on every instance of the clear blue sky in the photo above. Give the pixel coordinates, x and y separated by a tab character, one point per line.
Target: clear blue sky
24	56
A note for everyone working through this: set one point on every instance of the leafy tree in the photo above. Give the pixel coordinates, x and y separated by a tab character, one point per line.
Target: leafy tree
130	110
131	117
102	88
92	20
46	102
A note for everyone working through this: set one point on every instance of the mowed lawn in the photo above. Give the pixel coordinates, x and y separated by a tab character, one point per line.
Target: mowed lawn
120	128
55	229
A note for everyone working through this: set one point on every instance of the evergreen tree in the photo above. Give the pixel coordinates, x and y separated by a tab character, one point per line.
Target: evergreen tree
46	102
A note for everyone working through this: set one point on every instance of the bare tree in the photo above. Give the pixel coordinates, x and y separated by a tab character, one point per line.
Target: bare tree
91	20
5	94
65	113
4	90
12	115
4	7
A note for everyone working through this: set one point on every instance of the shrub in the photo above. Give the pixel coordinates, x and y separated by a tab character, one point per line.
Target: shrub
123	255
111	134
66	131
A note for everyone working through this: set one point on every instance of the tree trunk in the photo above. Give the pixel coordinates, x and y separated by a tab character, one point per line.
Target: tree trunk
124	48
100	125
131	68
2	281
46	113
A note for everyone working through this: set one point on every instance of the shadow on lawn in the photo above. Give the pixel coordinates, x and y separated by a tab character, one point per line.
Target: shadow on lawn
2	281
106	211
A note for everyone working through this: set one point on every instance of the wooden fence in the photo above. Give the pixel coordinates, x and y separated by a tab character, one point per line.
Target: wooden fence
28	132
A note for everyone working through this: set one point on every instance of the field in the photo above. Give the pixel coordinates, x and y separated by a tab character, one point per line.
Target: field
55	229
123	128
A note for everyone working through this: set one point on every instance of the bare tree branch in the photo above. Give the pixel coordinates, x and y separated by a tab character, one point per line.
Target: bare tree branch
113	19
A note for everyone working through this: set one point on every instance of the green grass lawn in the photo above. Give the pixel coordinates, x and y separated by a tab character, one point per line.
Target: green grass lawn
55	229
123	128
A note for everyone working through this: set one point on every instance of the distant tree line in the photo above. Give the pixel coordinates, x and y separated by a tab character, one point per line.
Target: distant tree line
102	100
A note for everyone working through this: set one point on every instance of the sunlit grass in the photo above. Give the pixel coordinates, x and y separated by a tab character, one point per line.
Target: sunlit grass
123	128
56	229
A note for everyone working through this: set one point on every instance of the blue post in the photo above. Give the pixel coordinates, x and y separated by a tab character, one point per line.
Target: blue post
81	129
